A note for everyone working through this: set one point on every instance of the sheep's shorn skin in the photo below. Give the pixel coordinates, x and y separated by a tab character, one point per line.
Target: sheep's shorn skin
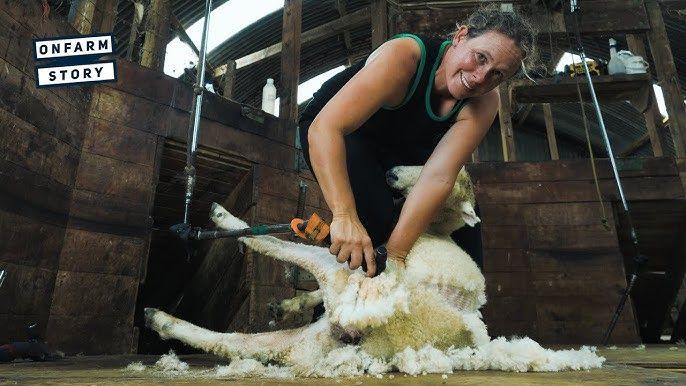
423	317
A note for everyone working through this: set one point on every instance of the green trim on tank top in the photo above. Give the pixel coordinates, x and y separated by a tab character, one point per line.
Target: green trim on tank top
420	70
429	86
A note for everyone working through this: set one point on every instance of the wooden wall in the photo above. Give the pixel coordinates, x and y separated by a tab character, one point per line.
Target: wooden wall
553	271
80	167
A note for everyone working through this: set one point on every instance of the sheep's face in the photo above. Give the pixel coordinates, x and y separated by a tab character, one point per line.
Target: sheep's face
458	209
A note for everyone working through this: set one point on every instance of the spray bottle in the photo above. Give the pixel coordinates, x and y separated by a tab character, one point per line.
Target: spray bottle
615	65
269	96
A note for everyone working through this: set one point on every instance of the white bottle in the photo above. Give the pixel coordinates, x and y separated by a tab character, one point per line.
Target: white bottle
615	65
269	96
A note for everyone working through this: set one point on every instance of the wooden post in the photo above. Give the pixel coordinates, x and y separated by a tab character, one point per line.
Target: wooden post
133	33
229	79
379	22
506	131
156	34
652	115
83	19
340	6
667	76
108	10
290	60
550	131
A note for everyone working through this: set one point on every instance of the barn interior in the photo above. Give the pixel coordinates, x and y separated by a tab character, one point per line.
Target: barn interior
93	177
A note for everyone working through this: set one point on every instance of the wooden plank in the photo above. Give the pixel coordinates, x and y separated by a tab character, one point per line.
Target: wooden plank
114	178
577	236
27	290
108	295
19	244
91	334
607	88
550	131
340	7
539	214
506	130
290	60
609	283
510	308
96	252
120	142
572	259
37	151
569	170
278	182
379	16
505	260
504	237
645	188
499	284
109	214
24	191
575	307
652	115
229	79
668	76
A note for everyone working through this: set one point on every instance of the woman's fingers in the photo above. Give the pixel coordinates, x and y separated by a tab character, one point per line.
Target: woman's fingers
344	254
355	258
370	258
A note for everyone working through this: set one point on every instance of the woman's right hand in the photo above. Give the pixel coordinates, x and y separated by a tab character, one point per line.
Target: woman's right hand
350	242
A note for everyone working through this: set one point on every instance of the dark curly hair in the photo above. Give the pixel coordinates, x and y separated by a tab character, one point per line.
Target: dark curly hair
509	23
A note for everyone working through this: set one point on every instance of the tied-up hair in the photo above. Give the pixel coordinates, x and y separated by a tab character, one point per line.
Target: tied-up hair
509	23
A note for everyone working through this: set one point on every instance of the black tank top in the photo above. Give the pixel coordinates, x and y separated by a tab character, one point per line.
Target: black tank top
408	133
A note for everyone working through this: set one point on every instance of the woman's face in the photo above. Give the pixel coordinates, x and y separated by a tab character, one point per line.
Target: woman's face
474	66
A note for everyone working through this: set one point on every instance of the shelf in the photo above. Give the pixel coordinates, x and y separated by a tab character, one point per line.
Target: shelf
608	88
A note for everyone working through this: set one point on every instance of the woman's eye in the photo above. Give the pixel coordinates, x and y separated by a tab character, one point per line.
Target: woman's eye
481	58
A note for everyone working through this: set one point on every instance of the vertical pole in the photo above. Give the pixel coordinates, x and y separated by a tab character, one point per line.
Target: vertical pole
229	79
652	115
667	76
505	116
379	10
156	34
550	130
290	60
83	16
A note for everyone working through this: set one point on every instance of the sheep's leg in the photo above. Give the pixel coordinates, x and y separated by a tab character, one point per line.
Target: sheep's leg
287	347
316	260
288	308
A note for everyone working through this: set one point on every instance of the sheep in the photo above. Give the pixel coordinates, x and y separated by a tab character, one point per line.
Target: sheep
419	316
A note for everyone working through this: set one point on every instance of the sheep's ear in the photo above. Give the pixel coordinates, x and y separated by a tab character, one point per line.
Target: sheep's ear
468	215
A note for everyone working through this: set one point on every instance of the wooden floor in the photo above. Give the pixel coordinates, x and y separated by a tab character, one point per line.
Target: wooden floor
624	366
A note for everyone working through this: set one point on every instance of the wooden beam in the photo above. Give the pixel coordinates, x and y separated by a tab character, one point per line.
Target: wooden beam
229	79
83	20
379	16
506	130
108	9
525	114
324	31
652	114
133	33
340	6
156	34
667	76
183	36
631	149
290	60
550	131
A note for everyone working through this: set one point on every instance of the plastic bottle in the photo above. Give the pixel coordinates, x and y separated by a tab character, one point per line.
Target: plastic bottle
615	65
269	96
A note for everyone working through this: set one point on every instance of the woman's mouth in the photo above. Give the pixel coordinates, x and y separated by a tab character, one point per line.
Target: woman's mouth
464	82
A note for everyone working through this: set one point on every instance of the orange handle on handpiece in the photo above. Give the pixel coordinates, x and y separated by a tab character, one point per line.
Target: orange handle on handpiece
316	229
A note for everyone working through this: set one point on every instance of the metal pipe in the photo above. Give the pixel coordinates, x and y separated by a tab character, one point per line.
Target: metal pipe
194	124
3	275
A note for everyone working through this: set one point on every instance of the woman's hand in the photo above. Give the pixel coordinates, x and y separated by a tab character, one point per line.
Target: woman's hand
350	242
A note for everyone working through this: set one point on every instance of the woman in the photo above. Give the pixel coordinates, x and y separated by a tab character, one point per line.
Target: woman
414	101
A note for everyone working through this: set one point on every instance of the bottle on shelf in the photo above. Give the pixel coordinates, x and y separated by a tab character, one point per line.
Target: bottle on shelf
615	65
269	96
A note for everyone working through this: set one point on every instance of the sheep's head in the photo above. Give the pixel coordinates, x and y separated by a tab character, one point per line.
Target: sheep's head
458	208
